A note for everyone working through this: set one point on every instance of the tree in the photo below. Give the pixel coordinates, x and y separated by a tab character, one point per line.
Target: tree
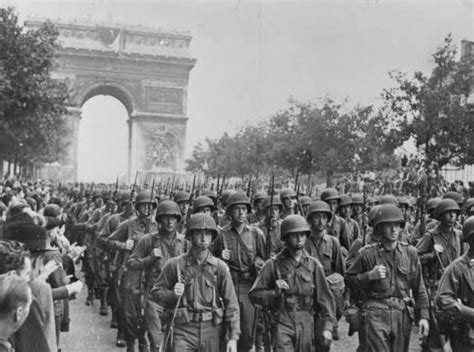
33	102
433	111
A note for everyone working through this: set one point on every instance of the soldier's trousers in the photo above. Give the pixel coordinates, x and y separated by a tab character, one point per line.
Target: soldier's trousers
198	337
460	344
132	310
153	324
247	315
385	329
294	332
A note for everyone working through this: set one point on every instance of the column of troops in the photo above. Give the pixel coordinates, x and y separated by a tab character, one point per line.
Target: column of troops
276	271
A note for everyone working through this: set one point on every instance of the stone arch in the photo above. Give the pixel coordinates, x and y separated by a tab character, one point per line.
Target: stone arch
146	69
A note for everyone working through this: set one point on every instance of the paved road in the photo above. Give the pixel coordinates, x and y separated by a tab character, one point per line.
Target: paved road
90	332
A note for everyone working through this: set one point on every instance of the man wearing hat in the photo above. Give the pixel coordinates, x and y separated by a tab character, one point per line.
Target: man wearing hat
124	239
455	296
271	224
196	289
438	248
242	246
259	211
288	197
182	198
293	287
149	256
388	277
345	211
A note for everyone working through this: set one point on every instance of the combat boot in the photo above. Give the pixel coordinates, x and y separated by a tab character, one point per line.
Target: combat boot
130	345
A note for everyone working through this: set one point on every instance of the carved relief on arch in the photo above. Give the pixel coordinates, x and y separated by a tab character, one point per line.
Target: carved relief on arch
161	148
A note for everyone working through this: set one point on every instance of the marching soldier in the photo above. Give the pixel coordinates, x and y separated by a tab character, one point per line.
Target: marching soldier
259	211
305	202
197	289
294	282
455	297
242	246
337	226
271	224
386	273
125	212
345	211
149	256
327	250
437	249
407	232
203	204
287	197
430	221
124	240
182	199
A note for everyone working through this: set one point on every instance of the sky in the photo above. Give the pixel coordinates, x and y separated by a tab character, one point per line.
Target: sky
253	55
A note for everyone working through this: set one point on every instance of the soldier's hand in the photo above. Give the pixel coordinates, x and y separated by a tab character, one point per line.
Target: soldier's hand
423	328
179	289
157	253
327	337
438	248
226	254
282	285
378	272
129	245
231	346
74	288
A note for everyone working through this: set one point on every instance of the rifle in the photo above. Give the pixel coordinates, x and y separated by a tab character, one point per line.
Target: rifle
296	179
249	186
191	199
298	203
167	342
364	214
133	187
116	189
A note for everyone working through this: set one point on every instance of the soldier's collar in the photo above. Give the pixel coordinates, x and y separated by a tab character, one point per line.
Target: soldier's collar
210	259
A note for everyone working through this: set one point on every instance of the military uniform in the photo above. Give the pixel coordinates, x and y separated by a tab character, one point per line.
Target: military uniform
387	314
208	304
306	307
276	244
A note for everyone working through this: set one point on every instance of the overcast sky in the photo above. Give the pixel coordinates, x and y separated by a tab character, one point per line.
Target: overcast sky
252	56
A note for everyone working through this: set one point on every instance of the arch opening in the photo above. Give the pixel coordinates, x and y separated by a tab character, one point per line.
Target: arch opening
103	139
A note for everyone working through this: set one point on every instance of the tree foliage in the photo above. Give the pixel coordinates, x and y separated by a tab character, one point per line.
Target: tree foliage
432	109
33	102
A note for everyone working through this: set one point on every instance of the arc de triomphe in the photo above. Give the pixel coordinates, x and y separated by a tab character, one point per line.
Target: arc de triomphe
145	69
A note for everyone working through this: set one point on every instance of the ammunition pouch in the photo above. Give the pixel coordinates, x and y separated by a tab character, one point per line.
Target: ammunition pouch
386	304
184	316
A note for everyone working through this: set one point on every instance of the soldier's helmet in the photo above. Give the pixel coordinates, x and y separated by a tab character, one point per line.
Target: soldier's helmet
287	193
225	196
457	197
238	198
305	200
469	204
168	207
345	200
97	194
388	199
201	221
387	213
268	201
292	224
181	196
445	205
468	229
432	203
122	197
404	201
330	194
201	202
210	194
357	199
319	207
261	195
373	200
371	215
144	198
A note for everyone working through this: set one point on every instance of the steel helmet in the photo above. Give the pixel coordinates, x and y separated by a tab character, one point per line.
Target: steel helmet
201	221
404	201
225	196
305	200
181	196
330	194
373	200
388	213
319	207
144	197
457	197
238	198
293	223
345	200
268	200
446	204
210	194
287	193
432	203
371	215
52	210
357	199
259	196
203	201
168	207
468	229
469	204
122	197
388	199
